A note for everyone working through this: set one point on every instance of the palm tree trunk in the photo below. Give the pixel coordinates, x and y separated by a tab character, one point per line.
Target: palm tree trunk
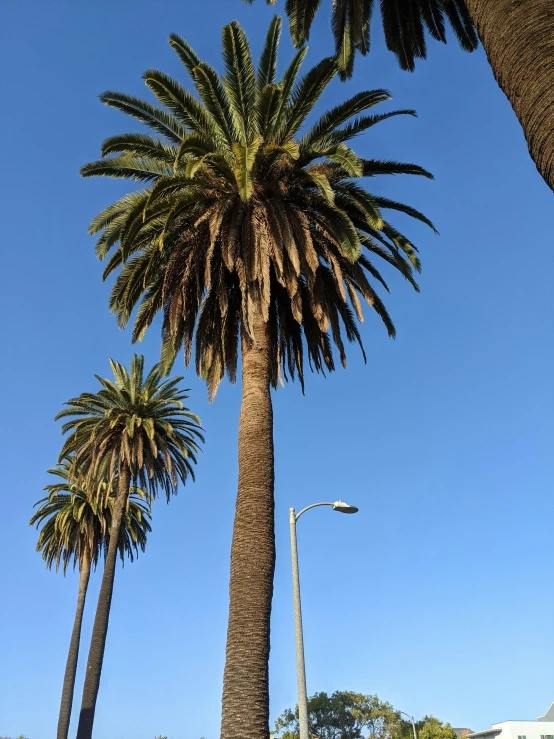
100	628
73	655
518	38
246	684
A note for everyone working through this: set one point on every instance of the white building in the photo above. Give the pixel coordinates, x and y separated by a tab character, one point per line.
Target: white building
542	728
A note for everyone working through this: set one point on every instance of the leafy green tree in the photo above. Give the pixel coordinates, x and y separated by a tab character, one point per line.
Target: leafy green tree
518	38
343	715
349	715
134	431
431	728
249	231
75	530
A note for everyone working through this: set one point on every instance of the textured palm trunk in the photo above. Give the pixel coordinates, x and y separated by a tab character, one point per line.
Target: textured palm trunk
246	683
73	655
518	38
100	628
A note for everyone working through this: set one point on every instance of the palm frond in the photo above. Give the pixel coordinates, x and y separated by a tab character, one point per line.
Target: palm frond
405	23
126	166
185	52
240	81
301	14
341	113
305	95
156	118
267	67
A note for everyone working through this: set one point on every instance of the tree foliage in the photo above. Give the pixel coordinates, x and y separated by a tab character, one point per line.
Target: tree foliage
405	22
134	421
245	212
432	728
343	715
349	715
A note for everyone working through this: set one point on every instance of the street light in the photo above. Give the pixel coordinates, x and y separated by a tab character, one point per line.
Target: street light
411	718
341	507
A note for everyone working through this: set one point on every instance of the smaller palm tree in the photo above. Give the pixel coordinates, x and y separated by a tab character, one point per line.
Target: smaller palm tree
135	430
75	531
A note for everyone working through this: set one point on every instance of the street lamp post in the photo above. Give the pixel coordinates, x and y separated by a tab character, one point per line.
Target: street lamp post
411	718
341	507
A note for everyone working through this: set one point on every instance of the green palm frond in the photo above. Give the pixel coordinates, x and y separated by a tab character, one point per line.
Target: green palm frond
344	41
403	208
361	124
286	86
305	95
244	162
267	68
139	145
156	118
405	23
330	121
127	166
184	106
373	168
301	14
185	52
240	81
215	99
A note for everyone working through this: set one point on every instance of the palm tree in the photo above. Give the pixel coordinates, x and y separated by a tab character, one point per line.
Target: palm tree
249	233
518	38
134	431
75	529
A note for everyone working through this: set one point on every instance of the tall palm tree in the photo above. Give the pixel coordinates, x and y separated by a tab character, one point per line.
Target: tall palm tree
135	431
518	38
249	233
75	530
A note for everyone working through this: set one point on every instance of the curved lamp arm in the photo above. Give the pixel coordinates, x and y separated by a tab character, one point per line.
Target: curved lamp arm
338	505
411	721
307	508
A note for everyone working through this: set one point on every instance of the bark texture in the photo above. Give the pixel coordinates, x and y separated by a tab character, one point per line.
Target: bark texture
73	655
100	628
246	683
518	38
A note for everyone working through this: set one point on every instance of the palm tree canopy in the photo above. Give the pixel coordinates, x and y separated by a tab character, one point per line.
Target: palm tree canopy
243	215
405	23
76	525
135	421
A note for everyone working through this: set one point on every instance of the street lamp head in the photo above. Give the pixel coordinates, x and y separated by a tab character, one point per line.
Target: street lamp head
342	507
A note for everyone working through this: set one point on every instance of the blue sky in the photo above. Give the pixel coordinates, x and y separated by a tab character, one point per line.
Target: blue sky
437	596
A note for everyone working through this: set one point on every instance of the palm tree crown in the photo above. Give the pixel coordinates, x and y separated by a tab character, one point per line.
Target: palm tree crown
137	423
405	23
244	216
76	525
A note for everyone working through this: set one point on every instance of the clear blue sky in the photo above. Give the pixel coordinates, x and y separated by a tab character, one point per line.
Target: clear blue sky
438	595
